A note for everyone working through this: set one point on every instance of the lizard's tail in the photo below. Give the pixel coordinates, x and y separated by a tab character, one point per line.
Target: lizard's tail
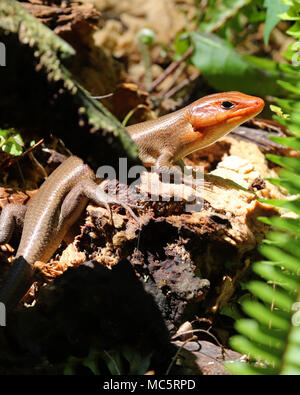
17	283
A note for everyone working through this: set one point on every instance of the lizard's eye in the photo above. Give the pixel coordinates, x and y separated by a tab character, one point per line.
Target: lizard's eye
227	105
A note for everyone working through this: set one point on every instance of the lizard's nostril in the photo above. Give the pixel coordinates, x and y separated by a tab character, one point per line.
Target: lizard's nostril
260	103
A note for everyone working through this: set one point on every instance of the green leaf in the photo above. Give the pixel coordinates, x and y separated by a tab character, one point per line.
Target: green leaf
263	335
292	355
290	15
217	15
11	142
271	295
291	205
295	30
139	364
257	351
288	105
4	133
91	361
12	147
289	186
274	8
287	179
294	335
291	142
243	368
265	316
277	255
286	242
290	176
290	163
289	225
290	86
280	293
18	139
290	370
275	275
113	361
226	70
278	111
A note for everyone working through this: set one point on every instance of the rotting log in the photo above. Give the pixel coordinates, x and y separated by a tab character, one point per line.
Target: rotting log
180	266
188	261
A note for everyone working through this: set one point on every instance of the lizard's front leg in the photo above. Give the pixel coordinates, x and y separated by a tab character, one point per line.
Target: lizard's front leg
164	167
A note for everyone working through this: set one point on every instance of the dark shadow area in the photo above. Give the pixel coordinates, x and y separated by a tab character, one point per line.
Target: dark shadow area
92	307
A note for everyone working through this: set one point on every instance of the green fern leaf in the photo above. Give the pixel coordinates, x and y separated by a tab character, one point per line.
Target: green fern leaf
275	275
217	14
271	295
291	142
271	338
242	368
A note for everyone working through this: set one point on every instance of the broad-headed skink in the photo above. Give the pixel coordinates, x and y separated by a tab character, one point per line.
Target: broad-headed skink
63	196
163	142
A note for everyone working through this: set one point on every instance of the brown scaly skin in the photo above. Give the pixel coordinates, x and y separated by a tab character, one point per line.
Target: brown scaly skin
168	139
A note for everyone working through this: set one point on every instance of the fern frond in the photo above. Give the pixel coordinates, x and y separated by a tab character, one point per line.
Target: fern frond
271	337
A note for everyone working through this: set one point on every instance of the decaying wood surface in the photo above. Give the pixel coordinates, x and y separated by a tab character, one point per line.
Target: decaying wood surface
184	258
122	284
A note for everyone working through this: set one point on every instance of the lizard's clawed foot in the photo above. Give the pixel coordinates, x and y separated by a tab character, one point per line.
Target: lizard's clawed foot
206	181
110	199
214	179
197	183
127	207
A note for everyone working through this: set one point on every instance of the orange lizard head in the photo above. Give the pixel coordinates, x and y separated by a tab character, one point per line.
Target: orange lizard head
213	116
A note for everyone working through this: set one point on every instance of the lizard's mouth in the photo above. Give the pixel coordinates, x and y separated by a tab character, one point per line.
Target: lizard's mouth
242	117
244	114
238	118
